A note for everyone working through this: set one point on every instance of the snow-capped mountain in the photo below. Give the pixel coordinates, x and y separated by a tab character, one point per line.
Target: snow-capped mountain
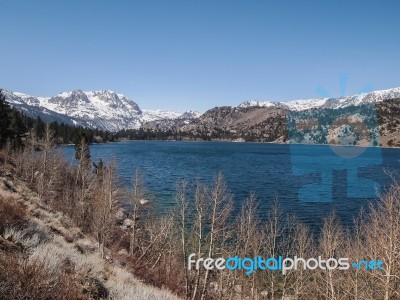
172	120
251	103
104	110
159	114
164	114
110	111
100	109
298	105
190	115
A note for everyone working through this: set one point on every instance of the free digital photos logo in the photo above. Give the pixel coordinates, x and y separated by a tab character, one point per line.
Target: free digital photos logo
349	126
249	265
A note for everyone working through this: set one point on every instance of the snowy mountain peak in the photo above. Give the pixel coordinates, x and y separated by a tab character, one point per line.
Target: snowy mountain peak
97	109
103	109
190	114
70	98
150	115
108	110
298	105
251	103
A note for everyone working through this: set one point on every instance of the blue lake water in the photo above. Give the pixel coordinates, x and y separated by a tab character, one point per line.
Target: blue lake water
308	180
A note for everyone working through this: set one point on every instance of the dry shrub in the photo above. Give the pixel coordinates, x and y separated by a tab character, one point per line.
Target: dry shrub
23	279
29	236
11	214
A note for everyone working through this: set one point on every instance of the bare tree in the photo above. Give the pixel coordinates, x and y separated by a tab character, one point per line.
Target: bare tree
299	243
45	177
32	142
138	201
199	234
220	206
103	206
47	144
384	241
331	245
84	185
248	244
182	216
273	230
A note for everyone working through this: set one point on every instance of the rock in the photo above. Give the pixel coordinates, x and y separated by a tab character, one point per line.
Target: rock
122	252
237	288
128	223
143	201
264	293
121	214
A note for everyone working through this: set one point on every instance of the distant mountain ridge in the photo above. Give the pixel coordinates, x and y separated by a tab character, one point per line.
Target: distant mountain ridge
107	110
104	109
267	121
340	102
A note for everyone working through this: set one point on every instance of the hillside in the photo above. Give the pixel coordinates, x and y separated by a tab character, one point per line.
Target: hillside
277	124
43	255
262	123
389	122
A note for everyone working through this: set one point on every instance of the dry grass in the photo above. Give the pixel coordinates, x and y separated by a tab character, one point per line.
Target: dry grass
55	261
10	214
24	279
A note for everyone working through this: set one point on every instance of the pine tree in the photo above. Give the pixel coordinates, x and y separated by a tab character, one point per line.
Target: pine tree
39	127
4	120
16	128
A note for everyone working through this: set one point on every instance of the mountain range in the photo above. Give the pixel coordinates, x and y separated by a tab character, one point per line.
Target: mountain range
104	109
339	102
112	111
315	121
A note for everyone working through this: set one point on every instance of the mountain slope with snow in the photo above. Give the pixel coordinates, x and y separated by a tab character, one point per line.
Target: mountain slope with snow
340	102
104	110
159	114
110	111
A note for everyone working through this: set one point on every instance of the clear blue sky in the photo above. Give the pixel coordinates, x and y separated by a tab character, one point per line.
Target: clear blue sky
199	54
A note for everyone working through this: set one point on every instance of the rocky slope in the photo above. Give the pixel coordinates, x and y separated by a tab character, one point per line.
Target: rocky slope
366	124
244	123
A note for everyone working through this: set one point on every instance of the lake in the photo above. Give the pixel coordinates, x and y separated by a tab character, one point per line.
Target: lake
308	180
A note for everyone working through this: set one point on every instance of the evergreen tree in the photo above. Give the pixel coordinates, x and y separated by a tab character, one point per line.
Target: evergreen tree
16	128
39	127
4	120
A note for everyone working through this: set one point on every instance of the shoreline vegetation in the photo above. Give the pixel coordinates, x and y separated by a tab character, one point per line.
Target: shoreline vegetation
85	199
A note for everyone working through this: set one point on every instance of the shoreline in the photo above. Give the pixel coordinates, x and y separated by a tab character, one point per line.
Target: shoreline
248	142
